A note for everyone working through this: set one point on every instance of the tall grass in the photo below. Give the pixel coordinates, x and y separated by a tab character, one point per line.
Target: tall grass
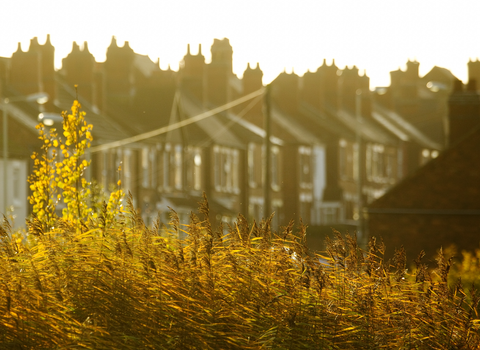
123	285
97	277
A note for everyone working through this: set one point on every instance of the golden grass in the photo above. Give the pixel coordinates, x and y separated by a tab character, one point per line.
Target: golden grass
127	286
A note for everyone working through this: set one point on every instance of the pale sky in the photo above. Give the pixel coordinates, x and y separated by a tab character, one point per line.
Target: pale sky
378	36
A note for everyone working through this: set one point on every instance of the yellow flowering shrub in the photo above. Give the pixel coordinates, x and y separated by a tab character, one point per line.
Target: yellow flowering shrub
59	173
44	196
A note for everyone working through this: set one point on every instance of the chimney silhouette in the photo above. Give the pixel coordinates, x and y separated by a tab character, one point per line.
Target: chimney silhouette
463	110
33	71
192	72
219	72
78	69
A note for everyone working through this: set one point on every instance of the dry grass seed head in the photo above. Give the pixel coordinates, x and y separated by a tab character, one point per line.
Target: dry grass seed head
400	263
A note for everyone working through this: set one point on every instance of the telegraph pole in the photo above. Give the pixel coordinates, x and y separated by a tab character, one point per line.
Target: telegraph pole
267	161
5	156
360	166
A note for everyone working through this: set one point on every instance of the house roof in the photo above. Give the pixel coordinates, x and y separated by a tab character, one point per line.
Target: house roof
326	120
253	130
444	72
368	129
398	126
343	123
105	128
21	116
299	133
145	65
209	129
226	128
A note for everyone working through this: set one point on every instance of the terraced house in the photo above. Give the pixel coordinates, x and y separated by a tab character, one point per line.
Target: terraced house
334	146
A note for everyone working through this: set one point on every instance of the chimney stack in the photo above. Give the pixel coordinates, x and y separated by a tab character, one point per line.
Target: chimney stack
463	110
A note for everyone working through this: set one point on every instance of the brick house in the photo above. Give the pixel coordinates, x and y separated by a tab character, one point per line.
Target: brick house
25	73
438	204
328	158
31	72
357	149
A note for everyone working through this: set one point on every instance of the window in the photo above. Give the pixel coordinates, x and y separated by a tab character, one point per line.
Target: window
252	180
277	205
305	167
127	170
378	162
226	171
255	165
399	155
194	176
217	168
152	167
104	172
16	184
255	208
383	164
346	159
329	215
169	167
111	161
375	165
235	155
368	162
177	167
227	168
145	170
390	166
276	169
166	166
342	155
349	210
305	208
149	167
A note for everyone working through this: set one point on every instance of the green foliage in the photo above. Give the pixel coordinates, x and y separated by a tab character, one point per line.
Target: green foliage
110	282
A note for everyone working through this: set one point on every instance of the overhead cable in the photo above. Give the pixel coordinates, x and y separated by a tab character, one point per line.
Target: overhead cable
178	125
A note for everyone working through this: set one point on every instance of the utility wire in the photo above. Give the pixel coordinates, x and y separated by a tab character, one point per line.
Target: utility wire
139	179
178	125
233	120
